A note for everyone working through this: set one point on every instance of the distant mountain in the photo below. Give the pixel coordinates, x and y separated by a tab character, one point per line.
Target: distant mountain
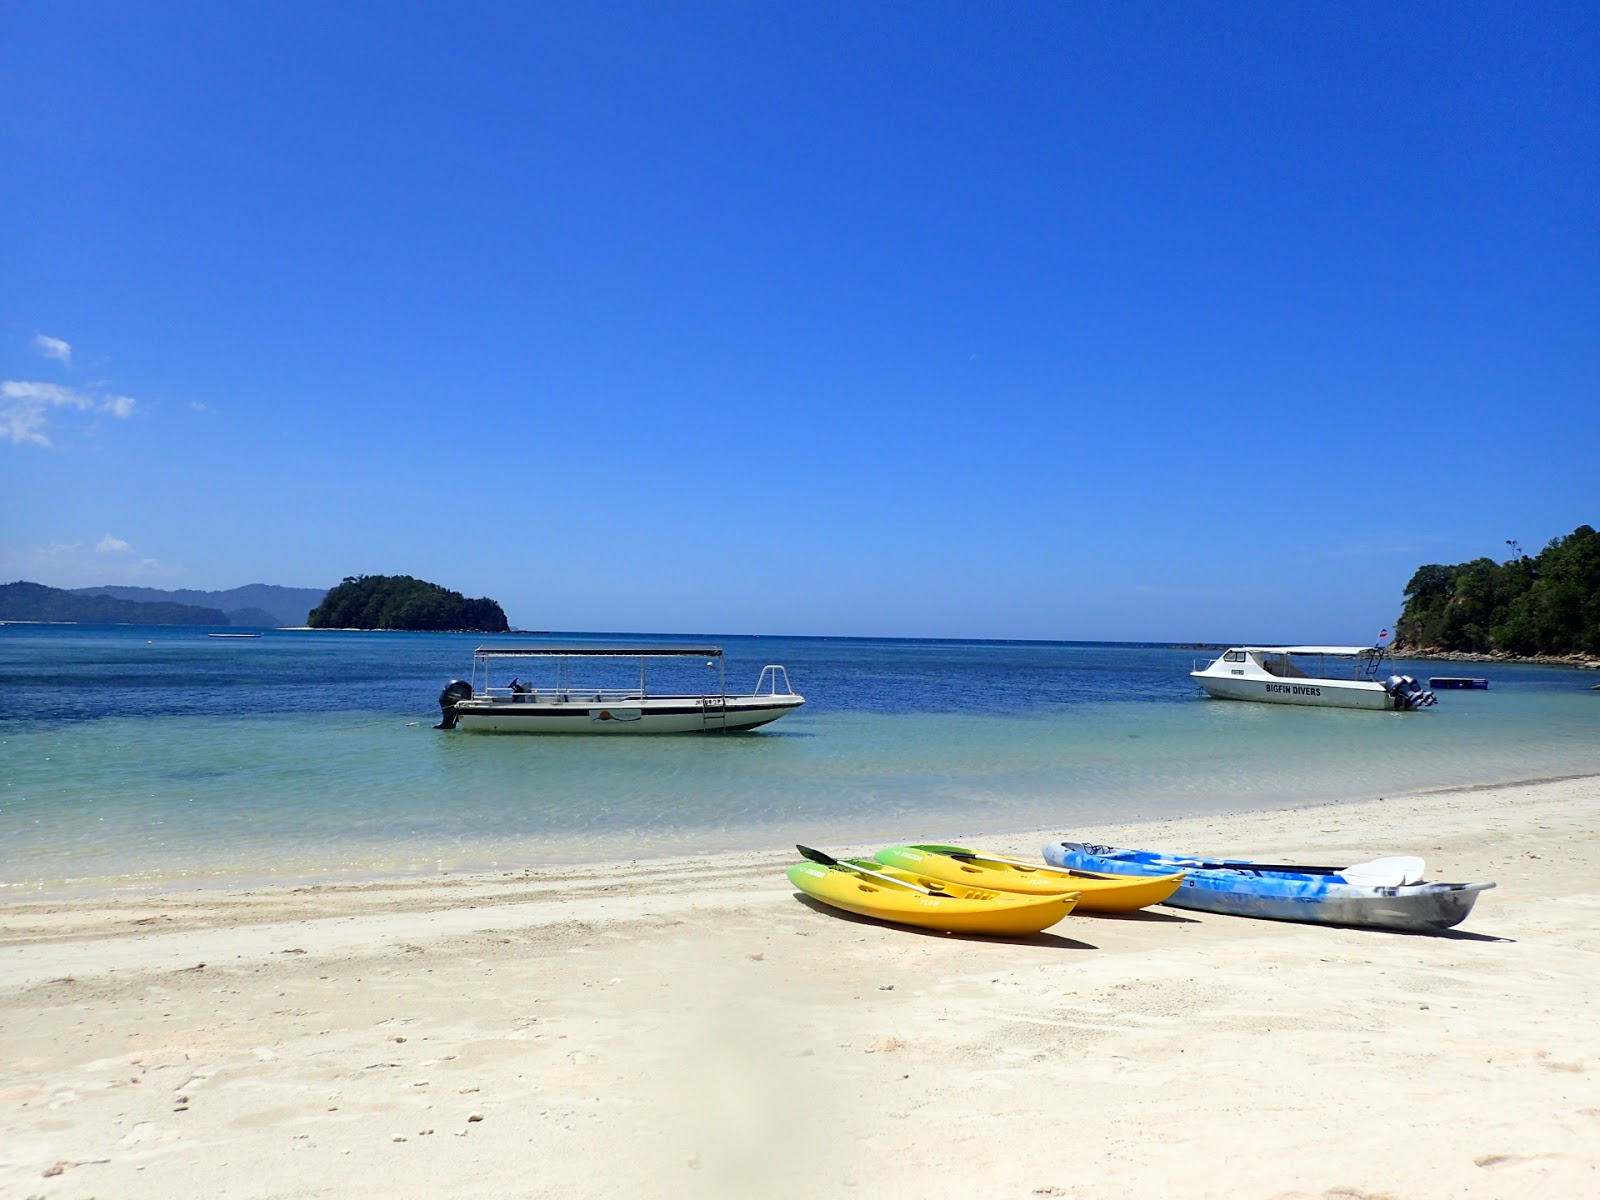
262	604
23	601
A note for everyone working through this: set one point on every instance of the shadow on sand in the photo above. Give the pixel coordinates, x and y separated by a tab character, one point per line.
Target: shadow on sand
1045	941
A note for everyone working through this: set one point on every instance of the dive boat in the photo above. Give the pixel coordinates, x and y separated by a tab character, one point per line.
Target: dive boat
558	704
1387	893
1303	675
1097	891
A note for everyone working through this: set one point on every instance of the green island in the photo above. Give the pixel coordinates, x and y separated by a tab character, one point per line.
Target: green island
1544	605
403	603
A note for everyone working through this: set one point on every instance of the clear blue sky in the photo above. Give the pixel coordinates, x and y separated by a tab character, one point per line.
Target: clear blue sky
995	320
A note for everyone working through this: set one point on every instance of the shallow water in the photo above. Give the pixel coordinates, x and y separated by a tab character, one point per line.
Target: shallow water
140	755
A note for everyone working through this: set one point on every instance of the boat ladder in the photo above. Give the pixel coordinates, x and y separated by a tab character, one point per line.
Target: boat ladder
716	712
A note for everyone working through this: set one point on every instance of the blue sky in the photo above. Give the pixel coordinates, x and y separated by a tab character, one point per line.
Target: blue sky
1188	322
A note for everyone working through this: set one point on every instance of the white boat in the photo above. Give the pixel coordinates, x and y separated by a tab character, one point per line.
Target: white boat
558	704
1305	675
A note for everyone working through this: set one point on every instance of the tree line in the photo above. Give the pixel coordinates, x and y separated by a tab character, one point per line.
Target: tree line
1548	603
401	602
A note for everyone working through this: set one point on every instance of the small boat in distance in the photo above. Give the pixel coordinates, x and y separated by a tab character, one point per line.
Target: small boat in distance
558	704
1458	682
1302	675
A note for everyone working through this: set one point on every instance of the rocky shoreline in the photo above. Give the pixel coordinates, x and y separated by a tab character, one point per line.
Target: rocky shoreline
1582	661
1587	662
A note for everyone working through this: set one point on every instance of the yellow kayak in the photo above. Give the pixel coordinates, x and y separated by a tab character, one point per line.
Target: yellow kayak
1096	892
906	898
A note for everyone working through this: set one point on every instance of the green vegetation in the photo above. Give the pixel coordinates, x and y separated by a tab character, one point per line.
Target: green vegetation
23	601
401	602
1547	604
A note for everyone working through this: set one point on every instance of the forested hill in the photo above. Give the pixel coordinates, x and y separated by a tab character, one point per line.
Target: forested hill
401	602
1545	604
23	601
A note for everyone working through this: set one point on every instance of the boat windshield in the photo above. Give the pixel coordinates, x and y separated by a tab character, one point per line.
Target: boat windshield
1286	664
1284	667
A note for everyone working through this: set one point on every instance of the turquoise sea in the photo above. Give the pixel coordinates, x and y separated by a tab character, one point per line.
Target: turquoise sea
138	756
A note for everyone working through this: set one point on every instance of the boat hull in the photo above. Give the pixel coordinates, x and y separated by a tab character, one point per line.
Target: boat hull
963	910
685	714
1245	891
1097	892
1325	693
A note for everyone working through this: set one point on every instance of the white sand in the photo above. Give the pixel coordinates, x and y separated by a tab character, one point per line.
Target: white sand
694	1029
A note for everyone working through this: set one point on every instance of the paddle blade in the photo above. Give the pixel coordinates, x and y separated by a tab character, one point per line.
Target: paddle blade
827	860
1394	871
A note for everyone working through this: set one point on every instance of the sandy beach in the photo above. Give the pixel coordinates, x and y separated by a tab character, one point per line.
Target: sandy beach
693	1028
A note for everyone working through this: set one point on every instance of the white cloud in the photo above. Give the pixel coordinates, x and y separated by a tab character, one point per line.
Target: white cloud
79	564
57	551
22	423
56	348
44	393
24	405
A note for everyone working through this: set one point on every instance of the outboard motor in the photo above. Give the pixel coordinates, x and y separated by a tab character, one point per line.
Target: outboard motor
1407	692
454	692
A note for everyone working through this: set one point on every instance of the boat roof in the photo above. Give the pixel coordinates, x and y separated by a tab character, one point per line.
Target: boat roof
598	651
1347	651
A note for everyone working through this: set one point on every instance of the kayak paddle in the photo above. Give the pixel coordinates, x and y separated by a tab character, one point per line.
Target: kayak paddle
1396	871
959	852
827	860
962	855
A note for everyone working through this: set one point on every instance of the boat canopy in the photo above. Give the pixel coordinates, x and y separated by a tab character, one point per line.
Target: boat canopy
1345	651
598	651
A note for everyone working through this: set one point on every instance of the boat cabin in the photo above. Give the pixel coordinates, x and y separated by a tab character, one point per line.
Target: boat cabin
1306	662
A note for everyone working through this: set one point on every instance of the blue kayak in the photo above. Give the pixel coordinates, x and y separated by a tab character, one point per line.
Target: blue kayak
1320	895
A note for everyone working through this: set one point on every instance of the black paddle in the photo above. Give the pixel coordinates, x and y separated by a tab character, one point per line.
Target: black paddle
974	856
827	860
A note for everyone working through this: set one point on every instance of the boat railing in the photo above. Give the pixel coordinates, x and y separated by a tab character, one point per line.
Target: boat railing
774	681
767	685
561	695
